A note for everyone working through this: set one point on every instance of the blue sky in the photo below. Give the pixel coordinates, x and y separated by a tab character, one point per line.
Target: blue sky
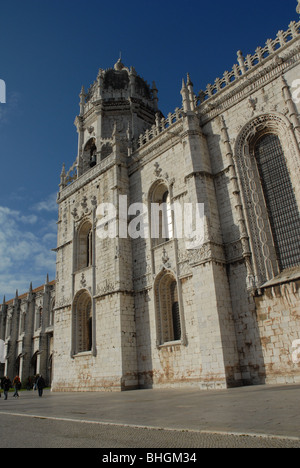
50	48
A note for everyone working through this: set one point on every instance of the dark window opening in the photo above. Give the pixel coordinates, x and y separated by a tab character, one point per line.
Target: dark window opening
280	200
176	321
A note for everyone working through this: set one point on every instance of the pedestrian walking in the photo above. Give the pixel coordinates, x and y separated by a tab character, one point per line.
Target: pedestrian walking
6	386
35	379
40	383
17	386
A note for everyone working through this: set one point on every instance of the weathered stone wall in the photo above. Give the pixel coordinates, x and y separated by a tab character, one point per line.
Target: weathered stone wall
236	317
26	327
278	316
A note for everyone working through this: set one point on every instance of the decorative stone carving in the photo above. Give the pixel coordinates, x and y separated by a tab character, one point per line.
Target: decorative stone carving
83	281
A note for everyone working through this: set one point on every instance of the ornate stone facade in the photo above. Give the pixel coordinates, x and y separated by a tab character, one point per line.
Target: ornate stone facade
26	328
137	311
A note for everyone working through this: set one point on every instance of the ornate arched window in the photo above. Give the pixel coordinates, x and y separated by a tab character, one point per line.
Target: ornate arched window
280	199
267	164
84	246
82	322
161	214
167	308
90	153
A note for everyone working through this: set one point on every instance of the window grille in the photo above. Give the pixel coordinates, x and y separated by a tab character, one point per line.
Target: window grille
176	321
82	322
167	309
280	200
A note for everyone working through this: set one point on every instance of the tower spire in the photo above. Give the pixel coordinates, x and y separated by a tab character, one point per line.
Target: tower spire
185	97
82	102
190	88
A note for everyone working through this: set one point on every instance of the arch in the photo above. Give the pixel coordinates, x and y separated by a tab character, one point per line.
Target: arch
168	320
82	322
39	318
33	363
17	366
84	245
90	153
263	246
160	212
22	322
280	199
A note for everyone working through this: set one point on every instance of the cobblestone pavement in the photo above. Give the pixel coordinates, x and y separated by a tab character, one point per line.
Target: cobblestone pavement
261	416
45	433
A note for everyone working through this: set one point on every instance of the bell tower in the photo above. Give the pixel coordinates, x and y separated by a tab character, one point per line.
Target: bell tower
95	348
118	102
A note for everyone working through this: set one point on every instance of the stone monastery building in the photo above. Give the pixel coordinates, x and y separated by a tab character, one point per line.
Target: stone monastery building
129	310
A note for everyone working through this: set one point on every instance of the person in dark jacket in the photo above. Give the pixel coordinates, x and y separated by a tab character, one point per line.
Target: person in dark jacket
40	383
17	386
6	384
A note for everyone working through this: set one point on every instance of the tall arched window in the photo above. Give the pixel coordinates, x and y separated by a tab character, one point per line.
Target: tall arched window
52	313
22	323
280	199
38	318
161	214
82	322
84	246
8	326
90	153
167	308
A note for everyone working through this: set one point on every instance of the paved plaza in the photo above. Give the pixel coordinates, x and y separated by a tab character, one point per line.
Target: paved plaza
258	416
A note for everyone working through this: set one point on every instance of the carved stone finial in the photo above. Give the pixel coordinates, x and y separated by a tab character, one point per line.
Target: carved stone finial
119	65
185	97
298	8
189	81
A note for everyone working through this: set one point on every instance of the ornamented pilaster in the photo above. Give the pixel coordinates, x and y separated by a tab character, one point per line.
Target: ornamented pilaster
288	98
244	237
